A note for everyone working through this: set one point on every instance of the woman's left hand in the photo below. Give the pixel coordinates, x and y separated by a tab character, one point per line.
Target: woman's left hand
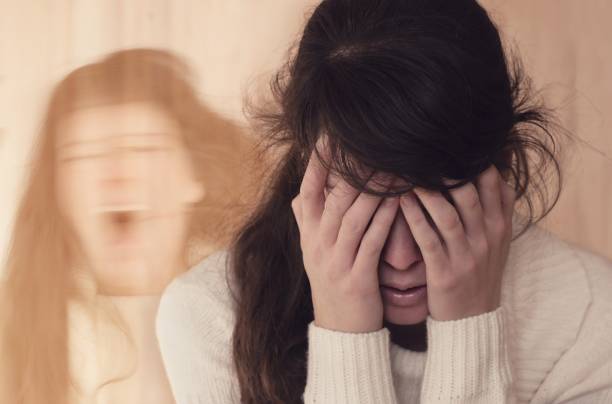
466	250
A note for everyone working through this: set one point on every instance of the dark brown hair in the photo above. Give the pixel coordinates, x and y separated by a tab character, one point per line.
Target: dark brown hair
420	89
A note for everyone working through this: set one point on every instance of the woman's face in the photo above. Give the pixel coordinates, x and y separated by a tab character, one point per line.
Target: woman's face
401	267
125	184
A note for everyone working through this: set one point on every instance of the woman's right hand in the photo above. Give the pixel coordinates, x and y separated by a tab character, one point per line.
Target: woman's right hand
342	236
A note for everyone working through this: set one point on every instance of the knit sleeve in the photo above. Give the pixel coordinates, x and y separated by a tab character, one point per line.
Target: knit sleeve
467	361
194	326
348	368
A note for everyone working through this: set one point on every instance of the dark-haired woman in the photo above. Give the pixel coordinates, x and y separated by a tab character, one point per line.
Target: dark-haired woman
395	256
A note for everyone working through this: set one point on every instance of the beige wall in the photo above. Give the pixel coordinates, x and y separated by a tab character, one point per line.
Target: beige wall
234	44
566	47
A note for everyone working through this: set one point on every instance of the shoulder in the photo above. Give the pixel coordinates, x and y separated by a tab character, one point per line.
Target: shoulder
557	296
197	307
599	273
201	294
194	327
587	362
542	268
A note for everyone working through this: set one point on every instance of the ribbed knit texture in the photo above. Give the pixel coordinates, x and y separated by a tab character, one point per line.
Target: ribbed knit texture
549	342
468	360
349	368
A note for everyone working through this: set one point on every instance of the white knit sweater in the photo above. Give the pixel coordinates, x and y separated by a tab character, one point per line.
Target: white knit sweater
549	342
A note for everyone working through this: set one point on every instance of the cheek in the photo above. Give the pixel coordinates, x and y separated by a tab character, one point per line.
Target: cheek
74	195
169	183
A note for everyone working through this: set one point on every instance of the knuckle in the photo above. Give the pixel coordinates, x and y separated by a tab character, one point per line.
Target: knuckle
451	221
418	220
307	193
370	246
498	226
310	188
351	225
332	207
481	245
469	263
431	244
471	199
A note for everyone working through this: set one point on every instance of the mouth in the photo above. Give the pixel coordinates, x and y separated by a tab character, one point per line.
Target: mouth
402	287
120	222
404	297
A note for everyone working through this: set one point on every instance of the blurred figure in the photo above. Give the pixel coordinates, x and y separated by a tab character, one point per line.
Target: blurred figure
132	176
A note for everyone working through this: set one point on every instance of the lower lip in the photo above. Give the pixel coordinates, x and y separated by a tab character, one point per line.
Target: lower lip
403	298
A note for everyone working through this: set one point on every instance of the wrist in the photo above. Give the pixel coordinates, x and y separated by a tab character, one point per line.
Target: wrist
356	317
347	323
466	358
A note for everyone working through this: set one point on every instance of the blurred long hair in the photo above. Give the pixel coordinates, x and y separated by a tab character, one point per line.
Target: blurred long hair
39	282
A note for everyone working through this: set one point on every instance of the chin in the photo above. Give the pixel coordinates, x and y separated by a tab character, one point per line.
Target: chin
406	315
130	276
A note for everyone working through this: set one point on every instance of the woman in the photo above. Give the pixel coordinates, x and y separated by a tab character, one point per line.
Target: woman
130	177
384	262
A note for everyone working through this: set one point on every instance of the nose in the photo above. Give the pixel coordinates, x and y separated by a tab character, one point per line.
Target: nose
116	166
401	250
120	173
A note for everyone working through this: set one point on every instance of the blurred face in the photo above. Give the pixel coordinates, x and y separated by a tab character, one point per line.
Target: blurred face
401	274
125	184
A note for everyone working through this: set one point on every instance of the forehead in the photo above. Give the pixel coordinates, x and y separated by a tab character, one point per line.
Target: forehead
129	120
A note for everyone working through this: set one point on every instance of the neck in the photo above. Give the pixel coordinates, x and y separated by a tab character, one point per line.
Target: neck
89	286
412	337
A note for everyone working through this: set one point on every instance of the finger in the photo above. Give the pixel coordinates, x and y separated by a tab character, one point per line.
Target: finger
311	190
429	242
354	225
489	189
447	221
508	201
373	241
467	203
296	207
337	203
